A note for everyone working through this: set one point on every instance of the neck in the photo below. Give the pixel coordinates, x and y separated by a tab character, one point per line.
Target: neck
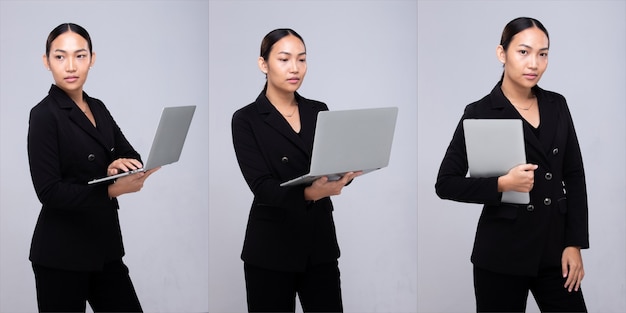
280	99
75	95
78	100
513	92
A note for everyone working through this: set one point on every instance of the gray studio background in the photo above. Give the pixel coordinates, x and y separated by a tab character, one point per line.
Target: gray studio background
150	54
403	249
457	65
360	54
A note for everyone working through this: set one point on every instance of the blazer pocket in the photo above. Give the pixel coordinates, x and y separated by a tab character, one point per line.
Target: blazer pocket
262	212
504	211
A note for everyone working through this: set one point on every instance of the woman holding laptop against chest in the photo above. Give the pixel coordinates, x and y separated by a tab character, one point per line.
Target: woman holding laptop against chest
534	246
290	245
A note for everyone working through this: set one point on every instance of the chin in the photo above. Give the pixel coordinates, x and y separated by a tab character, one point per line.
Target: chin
69	88
292	88
533	84
527	84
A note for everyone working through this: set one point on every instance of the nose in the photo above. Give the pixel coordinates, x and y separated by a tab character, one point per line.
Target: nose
532	63
295	68
71	65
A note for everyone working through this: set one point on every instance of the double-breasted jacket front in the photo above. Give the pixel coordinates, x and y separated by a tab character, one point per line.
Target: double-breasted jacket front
520	239
78	226
284	231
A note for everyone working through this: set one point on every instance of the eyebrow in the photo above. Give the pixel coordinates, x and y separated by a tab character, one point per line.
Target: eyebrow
284	52
527	46
76	51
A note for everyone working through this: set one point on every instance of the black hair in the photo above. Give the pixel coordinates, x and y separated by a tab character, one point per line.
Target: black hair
272	37
517	25
66	27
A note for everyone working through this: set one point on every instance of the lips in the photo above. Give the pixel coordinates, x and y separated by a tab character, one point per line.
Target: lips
530	76
293	80
71	79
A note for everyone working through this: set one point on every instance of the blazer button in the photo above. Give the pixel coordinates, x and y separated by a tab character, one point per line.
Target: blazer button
547	201
548	176
530	208
112	149
555	151
91	157
285	159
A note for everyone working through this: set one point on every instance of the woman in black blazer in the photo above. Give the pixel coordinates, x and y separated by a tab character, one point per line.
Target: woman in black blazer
77	250
536	246
290	243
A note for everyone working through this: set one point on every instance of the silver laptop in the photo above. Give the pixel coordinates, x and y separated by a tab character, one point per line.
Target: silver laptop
494	146
168	141
349	141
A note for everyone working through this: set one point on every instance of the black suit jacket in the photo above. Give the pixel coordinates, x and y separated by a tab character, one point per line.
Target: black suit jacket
519	239
78	227
284	231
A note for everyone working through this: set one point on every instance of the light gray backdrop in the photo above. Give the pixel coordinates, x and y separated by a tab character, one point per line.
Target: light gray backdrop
360	54
456	66
150	54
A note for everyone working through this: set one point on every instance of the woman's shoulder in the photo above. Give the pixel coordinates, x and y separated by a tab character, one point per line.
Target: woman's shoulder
317	105
262	105
247	110
549	95
473	109
47	107
95	101
43	104
495	99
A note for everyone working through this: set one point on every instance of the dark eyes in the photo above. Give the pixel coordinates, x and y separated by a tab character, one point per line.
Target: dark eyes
61	57
525	52
285	60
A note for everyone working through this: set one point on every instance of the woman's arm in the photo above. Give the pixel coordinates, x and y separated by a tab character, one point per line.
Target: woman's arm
576	219
251	157
46	140
452	181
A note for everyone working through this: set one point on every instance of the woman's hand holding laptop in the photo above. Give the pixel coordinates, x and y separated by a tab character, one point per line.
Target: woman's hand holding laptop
322	187
123	165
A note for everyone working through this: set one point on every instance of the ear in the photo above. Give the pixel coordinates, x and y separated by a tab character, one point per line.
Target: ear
262	65
93	59
44	58
501	54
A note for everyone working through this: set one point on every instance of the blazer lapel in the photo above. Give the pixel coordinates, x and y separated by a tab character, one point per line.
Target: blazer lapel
549	117
275	120
308	119
508	111
76	116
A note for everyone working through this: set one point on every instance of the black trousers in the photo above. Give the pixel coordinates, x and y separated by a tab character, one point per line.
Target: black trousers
109	290
497	292
319	289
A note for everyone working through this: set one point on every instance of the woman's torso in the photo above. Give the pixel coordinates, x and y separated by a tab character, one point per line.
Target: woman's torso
78	227
284	231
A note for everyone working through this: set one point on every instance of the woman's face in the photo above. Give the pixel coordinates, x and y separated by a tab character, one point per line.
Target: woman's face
526	58
69	61
286	65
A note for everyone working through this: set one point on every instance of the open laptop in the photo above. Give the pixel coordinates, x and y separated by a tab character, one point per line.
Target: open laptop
349	141
168	141
494	146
